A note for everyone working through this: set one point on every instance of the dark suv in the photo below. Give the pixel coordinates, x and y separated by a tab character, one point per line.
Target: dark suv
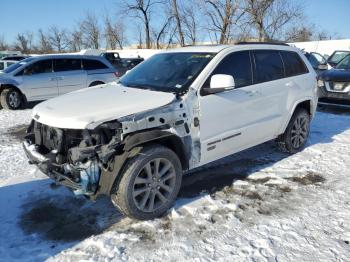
334	84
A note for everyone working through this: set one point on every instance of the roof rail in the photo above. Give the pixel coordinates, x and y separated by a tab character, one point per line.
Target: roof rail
261	43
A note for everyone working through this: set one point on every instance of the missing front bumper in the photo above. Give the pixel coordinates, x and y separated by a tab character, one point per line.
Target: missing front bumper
47	166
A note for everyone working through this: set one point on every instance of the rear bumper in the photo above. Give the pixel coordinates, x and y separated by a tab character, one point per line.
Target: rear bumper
47	166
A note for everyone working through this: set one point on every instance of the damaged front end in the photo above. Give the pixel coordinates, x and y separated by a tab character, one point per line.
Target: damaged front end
73	158
89	161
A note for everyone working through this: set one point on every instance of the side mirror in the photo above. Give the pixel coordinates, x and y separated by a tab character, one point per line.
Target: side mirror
220	83
322	67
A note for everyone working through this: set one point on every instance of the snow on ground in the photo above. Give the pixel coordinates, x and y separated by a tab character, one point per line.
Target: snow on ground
258	205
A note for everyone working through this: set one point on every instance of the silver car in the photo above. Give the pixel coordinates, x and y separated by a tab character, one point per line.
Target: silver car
43	77
6	63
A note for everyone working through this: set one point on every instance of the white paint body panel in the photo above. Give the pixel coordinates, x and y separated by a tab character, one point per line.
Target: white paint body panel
98	104
235	120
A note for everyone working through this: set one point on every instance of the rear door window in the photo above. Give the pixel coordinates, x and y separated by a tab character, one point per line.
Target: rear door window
268	66
67	64
91	64
238	65
294	65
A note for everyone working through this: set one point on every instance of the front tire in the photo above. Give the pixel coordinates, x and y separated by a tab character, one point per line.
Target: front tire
149	184
11	98
294	138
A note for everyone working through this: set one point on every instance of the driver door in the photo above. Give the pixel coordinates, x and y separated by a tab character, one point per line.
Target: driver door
230	120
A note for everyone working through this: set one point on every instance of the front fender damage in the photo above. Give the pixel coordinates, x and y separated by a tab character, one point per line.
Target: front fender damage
93	165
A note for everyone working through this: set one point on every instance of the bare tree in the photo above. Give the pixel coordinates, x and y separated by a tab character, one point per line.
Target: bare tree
91	32
114	33
3	44
324	35
270	17
24	42
299	34
160	35
142	9
178	19
223	14
58	38
44	45
191	23
75	40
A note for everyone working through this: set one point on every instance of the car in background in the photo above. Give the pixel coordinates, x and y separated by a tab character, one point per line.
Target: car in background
9	53
334	84
318	62
15	57
121	64
43	77
336	57
6	63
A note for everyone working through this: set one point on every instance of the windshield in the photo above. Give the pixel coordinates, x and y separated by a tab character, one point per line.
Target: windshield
167	72
13	67
344	64
337	56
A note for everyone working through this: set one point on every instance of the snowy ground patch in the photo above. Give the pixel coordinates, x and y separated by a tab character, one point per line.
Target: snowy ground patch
258	205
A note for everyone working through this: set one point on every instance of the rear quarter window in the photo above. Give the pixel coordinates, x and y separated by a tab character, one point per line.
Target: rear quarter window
268	66
91	64
293	64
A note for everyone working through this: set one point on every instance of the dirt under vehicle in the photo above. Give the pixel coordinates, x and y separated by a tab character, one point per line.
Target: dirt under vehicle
178	110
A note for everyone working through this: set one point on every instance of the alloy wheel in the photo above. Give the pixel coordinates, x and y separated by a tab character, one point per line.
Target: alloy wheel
300	130
14	99
154	185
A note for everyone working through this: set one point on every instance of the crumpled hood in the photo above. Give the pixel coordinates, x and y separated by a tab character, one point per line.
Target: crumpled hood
96	105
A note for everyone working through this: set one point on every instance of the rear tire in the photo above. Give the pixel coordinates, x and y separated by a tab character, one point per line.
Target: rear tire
11	98
294	138
149	184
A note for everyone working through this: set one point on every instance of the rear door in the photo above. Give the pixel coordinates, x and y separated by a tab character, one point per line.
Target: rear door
38	80
70	74
270	77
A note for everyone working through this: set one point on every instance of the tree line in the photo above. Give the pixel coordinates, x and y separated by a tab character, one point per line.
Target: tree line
168	23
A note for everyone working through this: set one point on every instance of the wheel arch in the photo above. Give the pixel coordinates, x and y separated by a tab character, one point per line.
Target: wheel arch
306	104
165	138
132	145
96	82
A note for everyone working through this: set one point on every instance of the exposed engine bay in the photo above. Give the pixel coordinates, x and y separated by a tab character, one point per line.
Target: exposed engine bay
88	161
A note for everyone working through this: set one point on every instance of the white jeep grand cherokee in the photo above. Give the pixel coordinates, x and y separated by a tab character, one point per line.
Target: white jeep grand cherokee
178	110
